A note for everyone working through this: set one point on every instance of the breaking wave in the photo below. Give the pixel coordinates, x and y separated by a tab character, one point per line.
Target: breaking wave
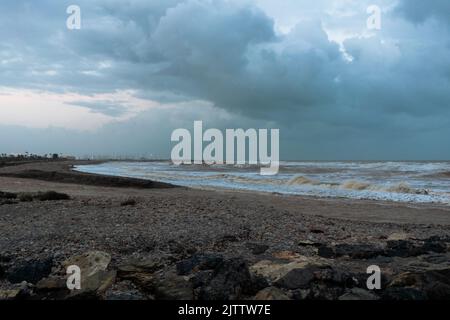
356	185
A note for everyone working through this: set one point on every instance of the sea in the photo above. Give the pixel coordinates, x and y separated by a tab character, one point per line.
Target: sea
399	181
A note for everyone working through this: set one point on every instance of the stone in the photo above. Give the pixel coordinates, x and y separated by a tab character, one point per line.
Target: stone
52	283
138	266
274	270
9	294
398	236
354	251
94	286
435	246
297	278
197	262
257	248
170	286
435	284
53	288
89	262
271	293
30	271
358	294
230	281
402	248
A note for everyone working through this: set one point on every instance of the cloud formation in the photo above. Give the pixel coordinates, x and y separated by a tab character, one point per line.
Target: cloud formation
333	87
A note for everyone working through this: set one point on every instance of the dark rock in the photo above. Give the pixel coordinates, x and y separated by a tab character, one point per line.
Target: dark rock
326	252
7	195
229	238
402	248
128	202
51	196
229	281
297	278
257	248
25	197
7	202
435	284
180	249
354	251
257	283
201	278
435	246
438	239
94	286
316	230
203	261
170	286
53	288
308	243
358	294
317	291
30	271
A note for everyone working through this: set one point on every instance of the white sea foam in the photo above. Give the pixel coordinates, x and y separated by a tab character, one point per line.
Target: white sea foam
394	181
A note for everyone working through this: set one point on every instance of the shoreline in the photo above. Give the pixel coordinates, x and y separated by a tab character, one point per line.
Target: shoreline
153	236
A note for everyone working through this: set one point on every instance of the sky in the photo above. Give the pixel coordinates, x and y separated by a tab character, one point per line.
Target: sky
138	69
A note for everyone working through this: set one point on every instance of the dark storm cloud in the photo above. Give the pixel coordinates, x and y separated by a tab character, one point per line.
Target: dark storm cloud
395	89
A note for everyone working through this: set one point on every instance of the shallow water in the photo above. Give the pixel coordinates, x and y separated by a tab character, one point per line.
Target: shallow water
417	182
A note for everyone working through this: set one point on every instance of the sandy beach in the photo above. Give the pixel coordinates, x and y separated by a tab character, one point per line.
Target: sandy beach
167	242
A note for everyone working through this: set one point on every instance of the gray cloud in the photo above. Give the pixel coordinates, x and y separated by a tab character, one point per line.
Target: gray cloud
419	11
395	91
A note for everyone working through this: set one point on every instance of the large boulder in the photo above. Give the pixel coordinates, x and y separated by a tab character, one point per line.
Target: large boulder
434	284
30	270
230	280
169	286
89	262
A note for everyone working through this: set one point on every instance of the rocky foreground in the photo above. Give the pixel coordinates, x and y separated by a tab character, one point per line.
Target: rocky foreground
176	243
412	270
